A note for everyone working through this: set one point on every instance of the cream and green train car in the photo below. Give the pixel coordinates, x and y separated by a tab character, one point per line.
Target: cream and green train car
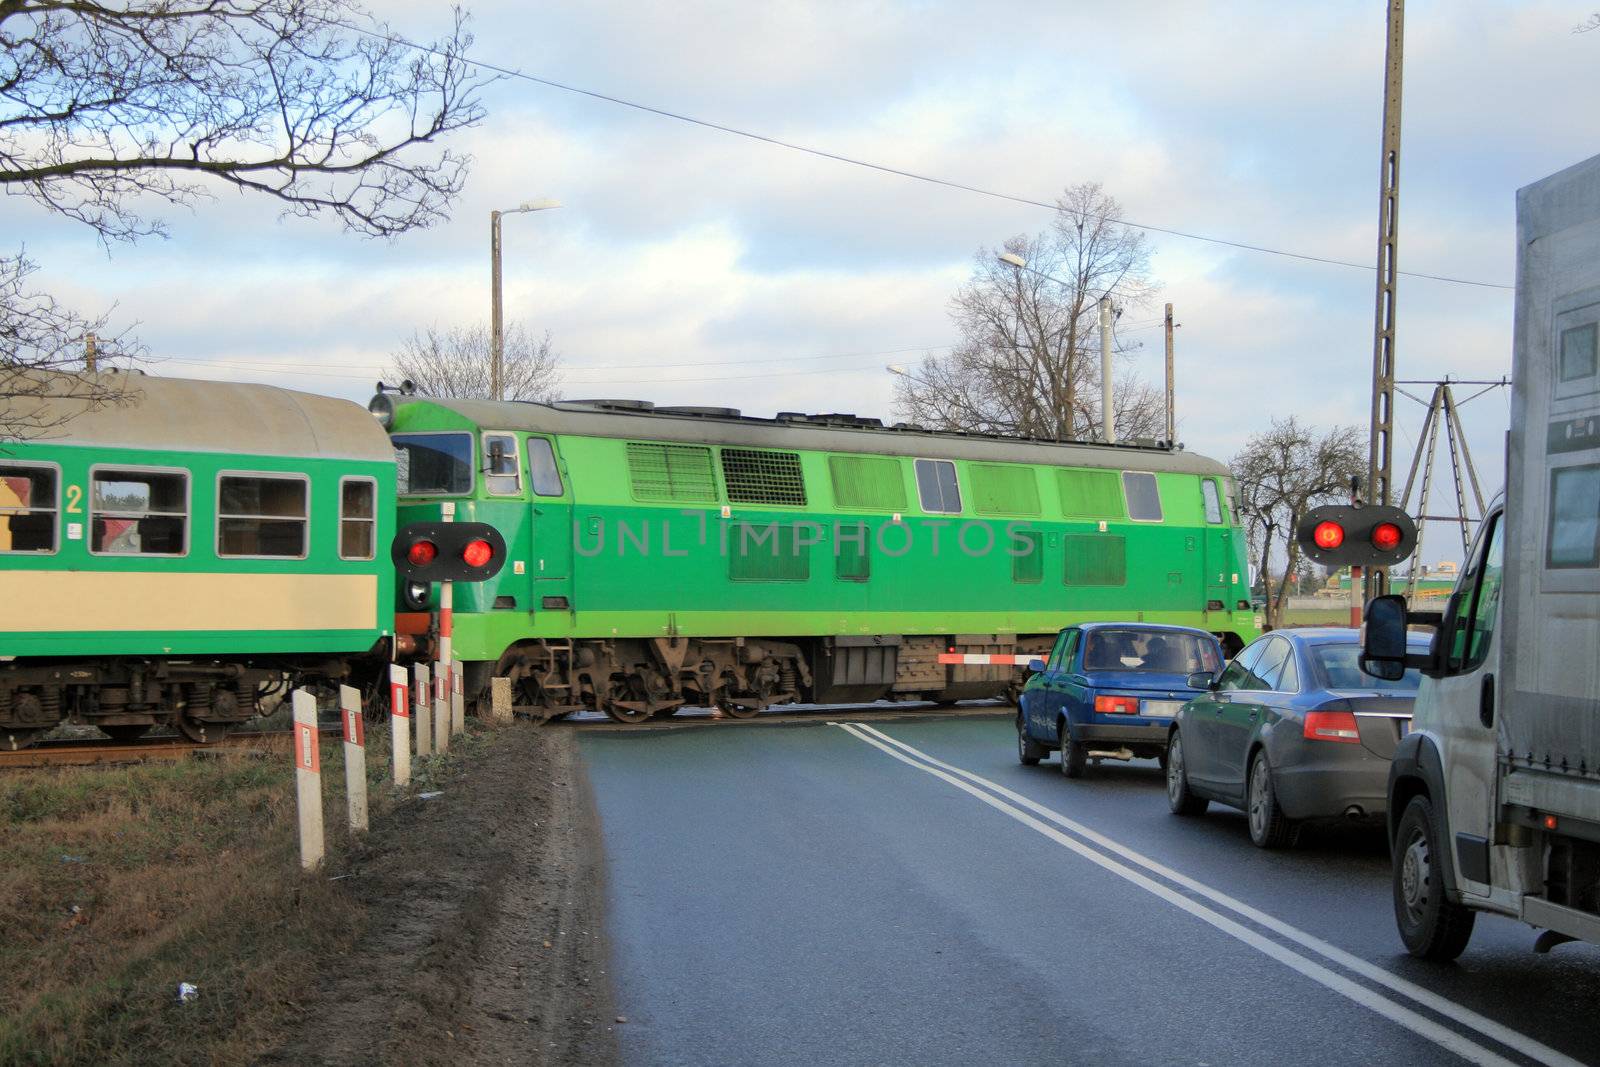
671	556
165	553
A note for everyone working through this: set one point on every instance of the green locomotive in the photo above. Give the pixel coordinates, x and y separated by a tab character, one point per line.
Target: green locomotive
163	555
664	557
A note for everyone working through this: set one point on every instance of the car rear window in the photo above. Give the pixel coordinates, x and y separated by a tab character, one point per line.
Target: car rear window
1150	651
1341	668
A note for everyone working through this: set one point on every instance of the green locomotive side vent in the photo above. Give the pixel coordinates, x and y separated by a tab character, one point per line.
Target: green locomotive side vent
868	482
1093	559
671	472
767	552
1028	568
1004	489
852	560
758	476
1087	494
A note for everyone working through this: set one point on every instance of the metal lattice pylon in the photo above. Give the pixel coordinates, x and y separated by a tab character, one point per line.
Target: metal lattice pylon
1443	410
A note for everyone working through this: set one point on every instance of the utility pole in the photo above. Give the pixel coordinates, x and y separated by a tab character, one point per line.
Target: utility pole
1382	427
496	326
1107	433
1172	426
89	363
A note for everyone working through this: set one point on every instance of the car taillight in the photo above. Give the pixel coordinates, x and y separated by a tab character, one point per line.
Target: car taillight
1116	705
422	553
477	553
1332	726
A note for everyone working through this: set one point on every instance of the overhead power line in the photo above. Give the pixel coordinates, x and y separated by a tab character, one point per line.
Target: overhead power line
821	153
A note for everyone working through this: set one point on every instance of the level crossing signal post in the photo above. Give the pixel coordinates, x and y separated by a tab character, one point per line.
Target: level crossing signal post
1363	537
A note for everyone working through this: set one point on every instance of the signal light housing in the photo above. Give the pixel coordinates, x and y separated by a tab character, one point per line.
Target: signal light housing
448	552
1356	535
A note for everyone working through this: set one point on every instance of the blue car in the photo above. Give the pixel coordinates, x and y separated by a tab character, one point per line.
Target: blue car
1110	691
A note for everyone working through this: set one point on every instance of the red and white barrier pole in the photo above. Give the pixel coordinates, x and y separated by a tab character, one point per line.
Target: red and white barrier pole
458	703
400	724
447	604
355	756
441	706
422	693
308	779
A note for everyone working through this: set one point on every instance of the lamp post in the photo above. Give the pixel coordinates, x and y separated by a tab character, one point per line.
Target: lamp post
496	326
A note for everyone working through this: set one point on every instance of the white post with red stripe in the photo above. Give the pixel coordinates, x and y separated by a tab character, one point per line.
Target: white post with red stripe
423	695
355	756
447	606
308	779
441	707
400	724
458	701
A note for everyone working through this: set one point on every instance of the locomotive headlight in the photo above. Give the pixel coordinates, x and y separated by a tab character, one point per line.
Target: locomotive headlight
382	409
417	595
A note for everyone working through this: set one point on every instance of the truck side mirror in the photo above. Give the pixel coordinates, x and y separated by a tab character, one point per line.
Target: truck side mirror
1383	638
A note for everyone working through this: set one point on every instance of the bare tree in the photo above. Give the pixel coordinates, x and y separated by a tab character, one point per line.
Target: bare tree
1029	359
455	363
1591	23
106	109
1281	474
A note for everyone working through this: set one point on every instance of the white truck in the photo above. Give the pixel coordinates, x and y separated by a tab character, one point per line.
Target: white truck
1494	795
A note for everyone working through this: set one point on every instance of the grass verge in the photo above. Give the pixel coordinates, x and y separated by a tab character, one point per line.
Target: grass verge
120	883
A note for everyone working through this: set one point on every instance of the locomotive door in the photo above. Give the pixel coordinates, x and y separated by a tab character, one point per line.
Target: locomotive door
1220	577
550	558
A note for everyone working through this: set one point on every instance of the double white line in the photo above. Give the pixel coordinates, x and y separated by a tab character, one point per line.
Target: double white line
1109	855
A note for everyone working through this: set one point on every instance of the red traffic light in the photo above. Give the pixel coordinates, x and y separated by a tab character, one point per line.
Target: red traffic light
1328	535
1386	537
422	553
477	553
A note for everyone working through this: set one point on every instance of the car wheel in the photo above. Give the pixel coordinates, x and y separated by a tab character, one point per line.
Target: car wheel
1432	927
1029	751
1073	754
1179	797
1269	826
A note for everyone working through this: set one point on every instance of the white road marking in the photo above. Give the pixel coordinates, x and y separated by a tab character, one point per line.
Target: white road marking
1427	998
1442	1036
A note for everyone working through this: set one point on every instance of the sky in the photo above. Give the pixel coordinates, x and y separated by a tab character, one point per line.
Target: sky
689	266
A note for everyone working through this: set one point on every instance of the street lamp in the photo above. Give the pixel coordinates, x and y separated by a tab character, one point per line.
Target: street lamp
496	328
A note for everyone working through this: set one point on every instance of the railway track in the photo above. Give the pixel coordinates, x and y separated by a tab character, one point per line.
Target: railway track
93	751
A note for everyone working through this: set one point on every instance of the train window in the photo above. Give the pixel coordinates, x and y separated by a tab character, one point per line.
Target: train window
757	476
1573	538
262	515
671	472
543	473
1095	559
502	471
937	486
358	518
1089	494
1209	498
1144	497
138	512
767	553
874	483
1027	560
1003	489
852	559
27	508
433	464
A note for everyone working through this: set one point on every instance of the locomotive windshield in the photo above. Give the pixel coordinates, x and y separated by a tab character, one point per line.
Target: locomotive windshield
433	463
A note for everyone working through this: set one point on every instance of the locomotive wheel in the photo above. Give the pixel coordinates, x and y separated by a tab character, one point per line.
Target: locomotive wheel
202	733
738	711
125	732
665	713
624	712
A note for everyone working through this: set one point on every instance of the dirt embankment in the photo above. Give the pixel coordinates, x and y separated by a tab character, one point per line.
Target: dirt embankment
483	937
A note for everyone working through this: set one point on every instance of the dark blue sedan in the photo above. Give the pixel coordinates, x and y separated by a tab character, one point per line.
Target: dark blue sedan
1292	730
1109	691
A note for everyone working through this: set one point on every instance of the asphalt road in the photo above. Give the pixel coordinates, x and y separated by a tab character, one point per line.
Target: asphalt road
815	894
